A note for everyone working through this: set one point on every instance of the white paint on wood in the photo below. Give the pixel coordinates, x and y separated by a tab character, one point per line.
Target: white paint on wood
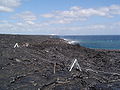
75	63
16	45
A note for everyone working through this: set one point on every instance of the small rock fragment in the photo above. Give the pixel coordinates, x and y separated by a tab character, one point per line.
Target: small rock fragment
18	60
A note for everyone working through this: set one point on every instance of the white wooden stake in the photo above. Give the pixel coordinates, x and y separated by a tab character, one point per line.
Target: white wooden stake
75	63
54	67
16	45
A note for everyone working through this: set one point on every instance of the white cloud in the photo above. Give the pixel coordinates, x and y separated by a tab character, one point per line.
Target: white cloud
27	22
48	15
27	17
9	5
81	14
41	28
84	28
97	26
5	9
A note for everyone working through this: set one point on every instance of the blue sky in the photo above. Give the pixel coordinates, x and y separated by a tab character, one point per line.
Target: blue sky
62	17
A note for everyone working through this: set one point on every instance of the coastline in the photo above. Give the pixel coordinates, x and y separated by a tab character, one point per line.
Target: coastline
80	42
31	67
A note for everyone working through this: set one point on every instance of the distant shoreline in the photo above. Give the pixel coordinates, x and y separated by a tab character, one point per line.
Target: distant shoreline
66	40
95	42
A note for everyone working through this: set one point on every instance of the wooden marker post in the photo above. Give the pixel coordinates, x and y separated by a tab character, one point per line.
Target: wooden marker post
75	63
16	45
54	67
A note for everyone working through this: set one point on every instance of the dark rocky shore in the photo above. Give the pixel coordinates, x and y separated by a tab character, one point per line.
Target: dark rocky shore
43	63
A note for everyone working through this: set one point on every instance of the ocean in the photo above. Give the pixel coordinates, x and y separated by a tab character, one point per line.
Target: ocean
95	41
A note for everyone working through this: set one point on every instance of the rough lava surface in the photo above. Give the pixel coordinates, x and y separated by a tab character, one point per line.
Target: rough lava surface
44	63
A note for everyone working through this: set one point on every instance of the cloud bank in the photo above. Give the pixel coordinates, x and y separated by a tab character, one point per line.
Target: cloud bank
77	13
59	22
9	5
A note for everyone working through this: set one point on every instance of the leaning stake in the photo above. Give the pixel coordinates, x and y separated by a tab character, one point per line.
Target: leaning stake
75	63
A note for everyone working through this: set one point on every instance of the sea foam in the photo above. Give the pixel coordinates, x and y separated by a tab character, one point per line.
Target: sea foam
71	41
